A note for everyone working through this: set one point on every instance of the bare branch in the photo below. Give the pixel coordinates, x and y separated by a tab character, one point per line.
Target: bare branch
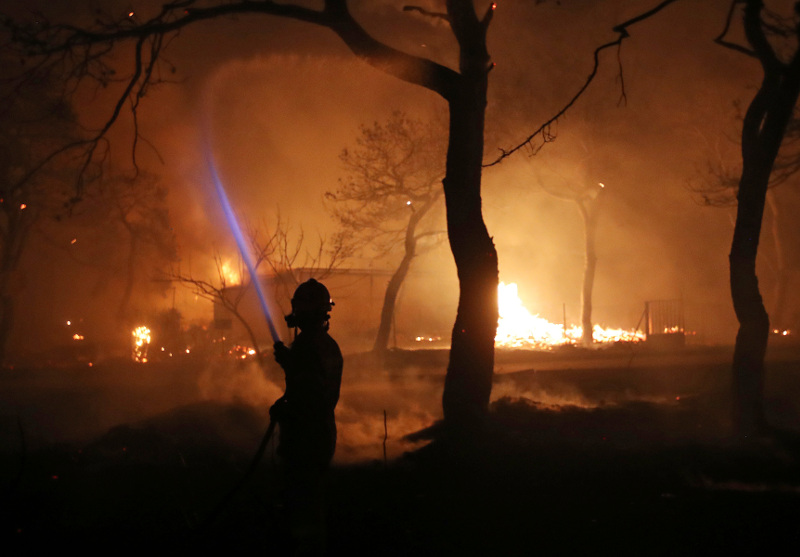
720	39
543	131
428	13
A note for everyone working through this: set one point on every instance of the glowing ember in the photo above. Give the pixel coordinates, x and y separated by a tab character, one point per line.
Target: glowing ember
141	343
76	336
518	328
242	352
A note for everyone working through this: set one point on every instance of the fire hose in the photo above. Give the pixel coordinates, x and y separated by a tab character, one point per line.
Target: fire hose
226	500
236	230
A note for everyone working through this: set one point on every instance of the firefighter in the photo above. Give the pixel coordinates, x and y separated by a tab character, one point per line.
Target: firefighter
305	413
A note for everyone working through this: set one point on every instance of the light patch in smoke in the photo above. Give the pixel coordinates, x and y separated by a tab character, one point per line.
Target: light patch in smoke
411	402
232	381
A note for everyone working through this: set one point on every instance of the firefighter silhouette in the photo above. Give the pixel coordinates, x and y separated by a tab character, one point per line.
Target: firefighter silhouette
305	413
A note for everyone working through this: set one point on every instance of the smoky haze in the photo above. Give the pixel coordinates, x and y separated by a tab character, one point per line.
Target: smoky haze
278	100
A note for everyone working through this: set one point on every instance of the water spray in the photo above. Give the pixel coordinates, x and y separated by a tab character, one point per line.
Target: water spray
233	223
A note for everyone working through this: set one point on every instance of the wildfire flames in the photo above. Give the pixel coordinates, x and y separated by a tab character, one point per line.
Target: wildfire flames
518	328
229	274
141	344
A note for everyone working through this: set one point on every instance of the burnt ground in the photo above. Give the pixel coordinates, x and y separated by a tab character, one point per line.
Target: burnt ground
610	453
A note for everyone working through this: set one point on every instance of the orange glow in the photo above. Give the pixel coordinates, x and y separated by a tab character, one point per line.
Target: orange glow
141	343
76	336
229	274
23	206
518	328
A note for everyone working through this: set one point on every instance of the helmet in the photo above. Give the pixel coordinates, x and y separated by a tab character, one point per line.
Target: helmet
311	296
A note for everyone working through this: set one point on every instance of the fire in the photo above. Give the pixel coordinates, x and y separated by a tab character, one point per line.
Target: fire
242	352
229	274
141	343
518	328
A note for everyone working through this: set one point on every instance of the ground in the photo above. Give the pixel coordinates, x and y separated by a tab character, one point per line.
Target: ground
614	452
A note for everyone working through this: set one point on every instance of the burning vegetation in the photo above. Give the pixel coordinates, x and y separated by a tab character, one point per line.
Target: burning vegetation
518	328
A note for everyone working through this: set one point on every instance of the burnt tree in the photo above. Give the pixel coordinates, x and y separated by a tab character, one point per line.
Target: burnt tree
763	129
469	374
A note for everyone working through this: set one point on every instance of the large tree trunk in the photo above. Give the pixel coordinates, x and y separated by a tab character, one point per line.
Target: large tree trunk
468	383
762	133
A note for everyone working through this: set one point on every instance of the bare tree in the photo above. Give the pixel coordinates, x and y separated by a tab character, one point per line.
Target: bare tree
393	181
586	194
772	39
277	254
718	185
132	209
35	174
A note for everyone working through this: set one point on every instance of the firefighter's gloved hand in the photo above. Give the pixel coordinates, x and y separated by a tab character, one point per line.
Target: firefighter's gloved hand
281	353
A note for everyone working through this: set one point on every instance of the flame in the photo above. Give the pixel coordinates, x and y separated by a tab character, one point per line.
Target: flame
518	328
229	274
141	343
242	352
77	336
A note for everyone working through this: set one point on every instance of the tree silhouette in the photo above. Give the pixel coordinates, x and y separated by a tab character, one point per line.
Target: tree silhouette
772	40
132	211
586	195
277	254
393	181
35	172
718	185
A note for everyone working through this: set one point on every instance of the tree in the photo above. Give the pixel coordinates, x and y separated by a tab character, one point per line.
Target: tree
86	52
130	210
393	181
718	185
277	250
765	123
35	173
586	195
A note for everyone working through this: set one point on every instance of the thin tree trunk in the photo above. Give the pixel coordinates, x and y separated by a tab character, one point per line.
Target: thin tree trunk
389	302
588	210
393	288
130	279
6	324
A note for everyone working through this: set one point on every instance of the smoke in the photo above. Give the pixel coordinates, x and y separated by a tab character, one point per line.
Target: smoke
237	382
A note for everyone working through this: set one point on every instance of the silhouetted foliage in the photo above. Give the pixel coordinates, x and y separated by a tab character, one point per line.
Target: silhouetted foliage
394	179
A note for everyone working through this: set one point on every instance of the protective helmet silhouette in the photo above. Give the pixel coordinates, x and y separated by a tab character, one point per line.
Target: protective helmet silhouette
312	296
